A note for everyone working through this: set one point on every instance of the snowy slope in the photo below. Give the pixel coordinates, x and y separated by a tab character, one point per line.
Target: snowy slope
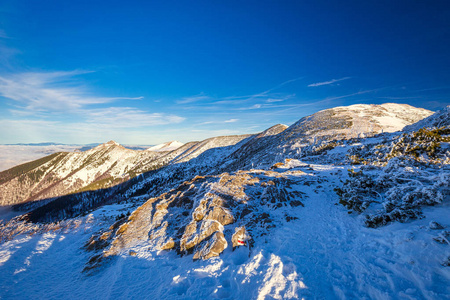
357	120
67	172
324	253
439	119
169	146
289	213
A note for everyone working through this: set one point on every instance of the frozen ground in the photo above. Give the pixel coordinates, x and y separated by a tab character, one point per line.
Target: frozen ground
325	254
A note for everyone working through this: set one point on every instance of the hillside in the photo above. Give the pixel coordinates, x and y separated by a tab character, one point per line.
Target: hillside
110	164
355	210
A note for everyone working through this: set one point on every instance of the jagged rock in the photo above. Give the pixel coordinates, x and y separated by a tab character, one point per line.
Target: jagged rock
134	231
233	185
194	215
207	228
213	247
240	237
221	215
169	245
200	211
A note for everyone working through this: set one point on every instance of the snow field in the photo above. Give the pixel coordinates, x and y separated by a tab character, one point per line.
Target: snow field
324	254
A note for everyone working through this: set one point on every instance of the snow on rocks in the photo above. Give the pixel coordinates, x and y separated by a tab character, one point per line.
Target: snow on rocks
324	253
240	236
200	215
273	233
169	146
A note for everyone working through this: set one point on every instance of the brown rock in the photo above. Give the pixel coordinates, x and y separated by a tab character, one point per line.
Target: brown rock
221	215
240	237
213	247
169	245
207	228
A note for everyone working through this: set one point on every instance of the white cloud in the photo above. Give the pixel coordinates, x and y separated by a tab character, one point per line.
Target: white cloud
256	106
327	82
55	106
267	96
212	133
231	120
279	98
193	99
206	123
128	117
270	100
50	91
280	85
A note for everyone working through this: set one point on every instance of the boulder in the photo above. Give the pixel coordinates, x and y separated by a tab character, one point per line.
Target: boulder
240	237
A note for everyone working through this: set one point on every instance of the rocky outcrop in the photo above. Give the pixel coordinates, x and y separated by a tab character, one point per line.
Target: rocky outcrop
240	237
203	215
213	247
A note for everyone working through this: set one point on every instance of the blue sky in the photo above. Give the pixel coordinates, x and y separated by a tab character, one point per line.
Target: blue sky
146	72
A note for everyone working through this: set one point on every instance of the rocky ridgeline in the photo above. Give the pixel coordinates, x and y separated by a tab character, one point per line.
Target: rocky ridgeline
110	164
206	215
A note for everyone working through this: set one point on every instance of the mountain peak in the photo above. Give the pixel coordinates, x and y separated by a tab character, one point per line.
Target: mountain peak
358	120
111	143
168	146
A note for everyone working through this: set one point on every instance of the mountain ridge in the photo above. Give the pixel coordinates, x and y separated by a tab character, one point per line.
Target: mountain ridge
110	163
278	214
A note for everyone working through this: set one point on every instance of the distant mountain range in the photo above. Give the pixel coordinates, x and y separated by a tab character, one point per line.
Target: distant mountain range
110	164
83	147
300	210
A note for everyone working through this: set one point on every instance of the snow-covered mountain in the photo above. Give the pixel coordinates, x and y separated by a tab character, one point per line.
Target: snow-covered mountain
13	155
339	205
69	172
110	164
357	121
169	146
439	119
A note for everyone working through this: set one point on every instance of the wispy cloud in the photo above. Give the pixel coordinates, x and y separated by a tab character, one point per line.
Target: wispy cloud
281	85
231	120
50	91
56	100
279	98
270	100
351	95
400	98
434	88
256	106
129	117
7	54
193	99
217	122
327	82
318	103
266	96
206	123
